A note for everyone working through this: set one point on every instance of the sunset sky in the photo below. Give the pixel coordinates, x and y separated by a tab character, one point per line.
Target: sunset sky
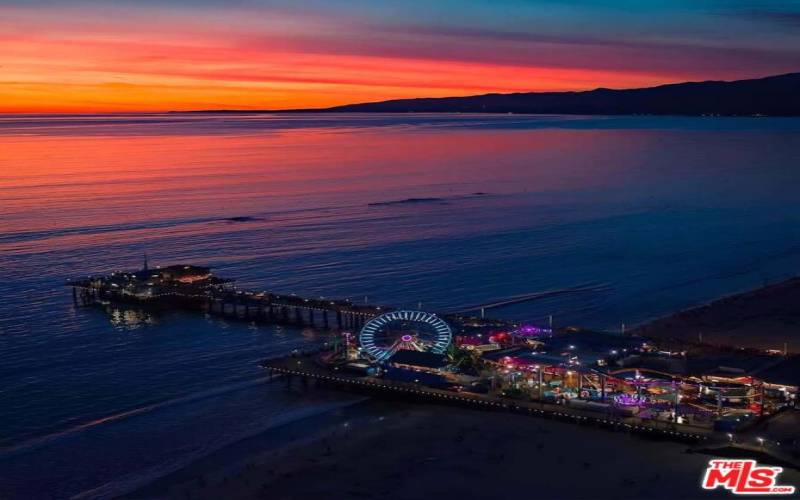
154	55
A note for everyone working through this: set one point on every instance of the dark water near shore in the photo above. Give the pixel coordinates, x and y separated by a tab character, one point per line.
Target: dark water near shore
641	216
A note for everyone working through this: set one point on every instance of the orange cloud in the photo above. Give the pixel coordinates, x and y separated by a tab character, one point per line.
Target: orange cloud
79	64
91	75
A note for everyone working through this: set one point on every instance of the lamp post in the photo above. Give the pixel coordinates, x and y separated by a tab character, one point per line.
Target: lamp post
347	346
541	384
677	389
603	388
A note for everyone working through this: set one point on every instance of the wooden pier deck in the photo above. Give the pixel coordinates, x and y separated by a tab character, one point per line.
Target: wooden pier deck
308	367
229	302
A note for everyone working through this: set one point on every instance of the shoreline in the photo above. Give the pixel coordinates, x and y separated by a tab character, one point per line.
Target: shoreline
314	456
277	440
274	463
270	445
763	318
400	451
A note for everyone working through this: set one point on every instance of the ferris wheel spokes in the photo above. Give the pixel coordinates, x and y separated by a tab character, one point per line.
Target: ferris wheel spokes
384	335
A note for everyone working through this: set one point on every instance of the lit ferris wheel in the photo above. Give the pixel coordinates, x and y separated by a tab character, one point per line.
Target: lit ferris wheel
390	332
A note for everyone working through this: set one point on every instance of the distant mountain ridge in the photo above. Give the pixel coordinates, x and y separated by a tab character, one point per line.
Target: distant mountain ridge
770	96
773	96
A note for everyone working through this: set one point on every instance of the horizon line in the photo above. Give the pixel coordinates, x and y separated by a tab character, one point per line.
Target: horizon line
311	110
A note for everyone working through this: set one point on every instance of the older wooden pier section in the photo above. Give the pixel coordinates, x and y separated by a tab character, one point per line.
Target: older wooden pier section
194	288
291	309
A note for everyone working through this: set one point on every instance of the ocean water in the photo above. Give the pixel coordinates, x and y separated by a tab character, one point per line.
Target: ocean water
627	218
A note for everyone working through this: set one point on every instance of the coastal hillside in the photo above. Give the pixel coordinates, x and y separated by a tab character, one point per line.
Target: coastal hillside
771	96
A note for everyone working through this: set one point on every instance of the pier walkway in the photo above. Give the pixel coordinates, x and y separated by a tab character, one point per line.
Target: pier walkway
308	367
217	296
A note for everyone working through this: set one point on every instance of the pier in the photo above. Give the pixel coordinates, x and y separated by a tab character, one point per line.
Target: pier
195	288
308	368
607	380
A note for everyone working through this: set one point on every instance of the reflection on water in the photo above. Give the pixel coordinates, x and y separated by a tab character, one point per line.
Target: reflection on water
130	318
596	221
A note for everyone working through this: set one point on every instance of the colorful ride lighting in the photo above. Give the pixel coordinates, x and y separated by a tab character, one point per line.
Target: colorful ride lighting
628	400
379	340
529	330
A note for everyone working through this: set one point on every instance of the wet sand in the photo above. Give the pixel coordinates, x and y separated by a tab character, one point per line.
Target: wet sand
764	318
402	451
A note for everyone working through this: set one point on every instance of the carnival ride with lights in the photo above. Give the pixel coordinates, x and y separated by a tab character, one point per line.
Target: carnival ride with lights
703	401
384	335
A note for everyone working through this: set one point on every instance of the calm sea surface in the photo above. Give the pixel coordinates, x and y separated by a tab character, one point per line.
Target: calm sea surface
642	215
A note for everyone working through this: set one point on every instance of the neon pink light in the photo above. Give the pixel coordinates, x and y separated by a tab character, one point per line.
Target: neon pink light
527	330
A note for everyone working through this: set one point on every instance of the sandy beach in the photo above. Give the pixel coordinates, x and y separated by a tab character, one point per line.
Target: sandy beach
765	318
405	451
